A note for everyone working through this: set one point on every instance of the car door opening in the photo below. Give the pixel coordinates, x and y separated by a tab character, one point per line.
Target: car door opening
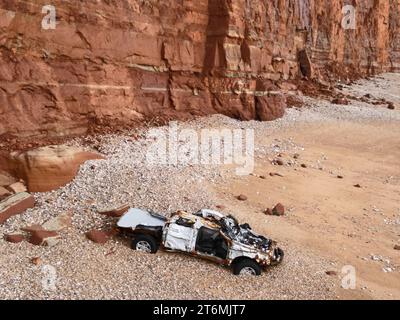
211	242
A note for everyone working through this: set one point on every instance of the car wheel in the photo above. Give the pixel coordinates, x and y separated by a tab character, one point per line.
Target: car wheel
144	243
246	267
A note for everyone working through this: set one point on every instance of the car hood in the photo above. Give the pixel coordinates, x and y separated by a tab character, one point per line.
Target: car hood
244	235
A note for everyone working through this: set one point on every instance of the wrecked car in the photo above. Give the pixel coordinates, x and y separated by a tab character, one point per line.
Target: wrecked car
207	234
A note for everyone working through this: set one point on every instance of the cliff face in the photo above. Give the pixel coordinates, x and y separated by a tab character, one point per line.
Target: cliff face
123	61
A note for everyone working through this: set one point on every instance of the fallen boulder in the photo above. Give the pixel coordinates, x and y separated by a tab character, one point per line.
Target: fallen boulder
47	234
14	238
44	238
15	204
101	237
271	107
397	247
97	236
242	197
278	210
48	168
116	212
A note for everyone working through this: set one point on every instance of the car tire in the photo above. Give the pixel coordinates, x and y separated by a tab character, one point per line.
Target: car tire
246	267
144	243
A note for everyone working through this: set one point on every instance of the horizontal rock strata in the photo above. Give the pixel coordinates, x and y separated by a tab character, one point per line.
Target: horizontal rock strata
121	62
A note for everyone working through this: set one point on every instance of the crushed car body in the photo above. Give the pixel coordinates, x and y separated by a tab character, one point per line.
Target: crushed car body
207	234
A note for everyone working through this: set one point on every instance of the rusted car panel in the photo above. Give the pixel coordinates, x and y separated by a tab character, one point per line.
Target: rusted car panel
135	217
207	234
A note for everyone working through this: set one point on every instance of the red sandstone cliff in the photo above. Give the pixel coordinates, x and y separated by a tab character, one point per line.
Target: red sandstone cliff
121	61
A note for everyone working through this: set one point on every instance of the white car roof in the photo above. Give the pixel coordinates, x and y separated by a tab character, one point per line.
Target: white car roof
135	217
